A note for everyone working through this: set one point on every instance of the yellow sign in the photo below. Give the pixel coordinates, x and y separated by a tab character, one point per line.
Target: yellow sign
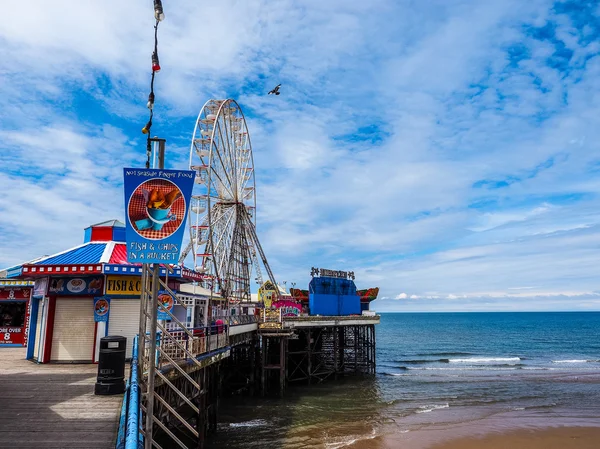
123	285
267	294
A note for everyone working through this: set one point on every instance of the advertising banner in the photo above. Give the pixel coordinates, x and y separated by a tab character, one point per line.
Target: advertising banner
288	308
156	207
165	298
15	293
76	286
12	335
123	285
101	308
40	287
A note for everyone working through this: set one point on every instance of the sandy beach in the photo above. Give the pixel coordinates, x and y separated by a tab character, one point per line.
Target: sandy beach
567	437
551	438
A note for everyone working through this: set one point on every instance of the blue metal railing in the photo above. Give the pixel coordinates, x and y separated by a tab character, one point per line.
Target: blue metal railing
129	436
133	406
123	420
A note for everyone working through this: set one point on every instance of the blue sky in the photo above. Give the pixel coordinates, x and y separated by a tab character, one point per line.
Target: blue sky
444	150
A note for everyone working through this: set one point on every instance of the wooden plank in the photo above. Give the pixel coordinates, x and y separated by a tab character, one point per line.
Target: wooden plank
51	406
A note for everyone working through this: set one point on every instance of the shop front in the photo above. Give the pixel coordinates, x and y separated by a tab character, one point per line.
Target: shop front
62	326
123	296
14	313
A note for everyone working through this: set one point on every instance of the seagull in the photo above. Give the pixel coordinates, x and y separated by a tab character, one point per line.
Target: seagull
275	90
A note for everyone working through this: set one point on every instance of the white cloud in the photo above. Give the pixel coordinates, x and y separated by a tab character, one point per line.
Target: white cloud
415	149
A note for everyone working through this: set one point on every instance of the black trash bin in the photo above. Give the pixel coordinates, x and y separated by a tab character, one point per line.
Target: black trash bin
111	366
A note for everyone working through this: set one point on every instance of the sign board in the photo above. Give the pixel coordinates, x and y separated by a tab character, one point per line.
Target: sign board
101	309
40	287
332	273
271	319
267	294
15	293
76	286
123	285
288	308
11	335
167	300
156	206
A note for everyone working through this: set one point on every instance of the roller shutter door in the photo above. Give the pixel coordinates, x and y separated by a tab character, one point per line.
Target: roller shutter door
124	320
73	333
38	331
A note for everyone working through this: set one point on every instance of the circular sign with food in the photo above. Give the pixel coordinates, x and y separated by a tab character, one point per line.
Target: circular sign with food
166	300
101	307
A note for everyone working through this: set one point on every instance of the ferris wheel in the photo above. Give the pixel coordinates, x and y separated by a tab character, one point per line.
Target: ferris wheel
223	244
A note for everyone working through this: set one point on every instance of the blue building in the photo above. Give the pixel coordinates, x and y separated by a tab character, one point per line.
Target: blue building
333	295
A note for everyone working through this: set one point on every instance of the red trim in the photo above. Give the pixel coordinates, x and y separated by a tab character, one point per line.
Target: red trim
94	345
49	329
26	324
192	275
61	270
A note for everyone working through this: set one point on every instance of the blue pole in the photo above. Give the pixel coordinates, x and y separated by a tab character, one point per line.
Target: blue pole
133	406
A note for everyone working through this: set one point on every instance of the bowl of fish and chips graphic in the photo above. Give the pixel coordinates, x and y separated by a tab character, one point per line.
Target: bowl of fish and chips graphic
101	307
156	209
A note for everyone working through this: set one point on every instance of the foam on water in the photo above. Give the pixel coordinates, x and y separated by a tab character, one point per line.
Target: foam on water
486	360
430	408
575	361
251	423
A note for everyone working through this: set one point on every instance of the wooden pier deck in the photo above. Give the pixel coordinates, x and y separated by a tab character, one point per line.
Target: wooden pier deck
53	406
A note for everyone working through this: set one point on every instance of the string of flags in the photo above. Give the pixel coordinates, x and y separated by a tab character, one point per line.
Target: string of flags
159	15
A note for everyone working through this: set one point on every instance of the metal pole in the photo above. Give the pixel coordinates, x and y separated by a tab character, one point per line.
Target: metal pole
152	358
160	143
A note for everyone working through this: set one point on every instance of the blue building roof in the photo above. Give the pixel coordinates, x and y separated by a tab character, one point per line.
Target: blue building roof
87	254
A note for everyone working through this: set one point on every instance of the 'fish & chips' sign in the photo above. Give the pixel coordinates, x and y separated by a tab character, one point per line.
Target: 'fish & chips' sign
156	207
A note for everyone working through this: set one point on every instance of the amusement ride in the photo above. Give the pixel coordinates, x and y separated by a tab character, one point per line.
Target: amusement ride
223	245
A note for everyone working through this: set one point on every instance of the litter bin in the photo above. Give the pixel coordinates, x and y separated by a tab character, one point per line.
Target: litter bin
111	366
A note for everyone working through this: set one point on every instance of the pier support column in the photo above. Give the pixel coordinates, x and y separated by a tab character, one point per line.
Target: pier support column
201	403
263	374
309	354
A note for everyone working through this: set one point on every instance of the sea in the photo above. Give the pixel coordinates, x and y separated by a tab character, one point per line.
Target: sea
438	375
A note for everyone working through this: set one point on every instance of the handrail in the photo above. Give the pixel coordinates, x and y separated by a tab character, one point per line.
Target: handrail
123	420
133	402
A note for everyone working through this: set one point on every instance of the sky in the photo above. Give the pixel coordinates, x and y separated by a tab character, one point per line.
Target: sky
445	151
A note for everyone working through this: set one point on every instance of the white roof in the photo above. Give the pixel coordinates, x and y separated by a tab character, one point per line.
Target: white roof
194	289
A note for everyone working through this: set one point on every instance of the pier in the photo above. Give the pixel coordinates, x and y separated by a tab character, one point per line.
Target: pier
52	406
247	355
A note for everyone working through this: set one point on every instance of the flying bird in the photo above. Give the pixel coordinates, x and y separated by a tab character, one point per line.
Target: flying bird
275	90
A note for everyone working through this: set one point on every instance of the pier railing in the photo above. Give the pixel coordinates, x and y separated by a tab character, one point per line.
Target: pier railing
179	345
239	320
129	436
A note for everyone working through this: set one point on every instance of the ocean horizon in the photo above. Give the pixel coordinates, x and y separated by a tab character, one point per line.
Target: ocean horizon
438	373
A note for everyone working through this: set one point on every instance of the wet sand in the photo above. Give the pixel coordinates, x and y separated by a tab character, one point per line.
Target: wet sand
552	438
567	437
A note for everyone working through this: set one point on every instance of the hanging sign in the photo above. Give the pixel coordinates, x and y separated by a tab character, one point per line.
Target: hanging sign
101	308
40	287
167	300
156	207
